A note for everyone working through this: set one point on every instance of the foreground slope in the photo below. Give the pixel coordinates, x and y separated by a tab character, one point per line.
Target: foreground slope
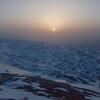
16	84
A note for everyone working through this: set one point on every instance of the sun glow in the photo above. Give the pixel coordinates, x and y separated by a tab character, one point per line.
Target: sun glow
53	21
53	29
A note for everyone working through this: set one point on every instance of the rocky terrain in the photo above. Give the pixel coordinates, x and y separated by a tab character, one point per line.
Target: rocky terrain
54	72
17	84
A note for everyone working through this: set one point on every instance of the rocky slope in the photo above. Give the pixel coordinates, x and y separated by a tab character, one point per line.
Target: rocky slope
17	84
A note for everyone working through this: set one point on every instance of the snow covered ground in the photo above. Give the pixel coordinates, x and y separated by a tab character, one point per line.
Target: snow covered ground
23	62
17	84
8	91
73	64
13	70
14	94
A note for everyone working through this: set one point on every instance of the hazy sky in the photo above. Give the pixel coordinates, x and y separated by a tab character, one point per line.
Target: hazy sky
50	14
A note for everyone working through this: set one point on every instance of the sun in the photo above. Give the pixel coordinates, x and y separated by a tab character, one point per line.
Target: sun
53	29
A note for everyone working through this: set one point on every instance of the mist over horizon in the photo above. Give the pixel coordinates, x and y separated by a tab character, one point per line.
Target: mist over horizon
50	20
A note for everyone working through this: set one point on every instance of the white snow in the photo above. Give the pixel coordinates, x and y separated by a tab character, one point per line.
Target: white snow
13	70
15	84
88	87
93	98
7	90
83	86
65	61
18	94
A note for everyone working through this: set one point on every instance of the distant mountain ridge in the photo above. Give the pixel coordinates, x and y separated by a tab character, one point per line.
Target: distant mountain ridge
73	63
